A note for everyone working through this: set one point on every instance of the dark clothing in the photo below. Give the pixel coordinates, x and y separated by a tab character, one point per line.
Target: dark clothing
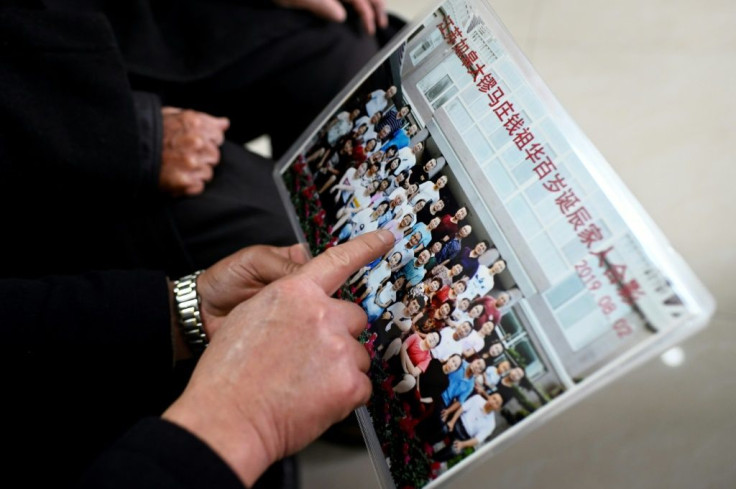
178	459
470	265
433	381
449	250
85	358
271	70
82	152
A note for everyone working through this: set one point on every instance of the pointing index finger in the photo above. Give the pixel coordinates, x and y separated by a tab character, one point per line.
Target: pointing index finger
332	268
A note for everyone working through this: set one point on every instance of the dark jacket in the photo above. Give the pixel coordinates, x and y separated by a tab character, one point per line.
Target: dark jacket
76	158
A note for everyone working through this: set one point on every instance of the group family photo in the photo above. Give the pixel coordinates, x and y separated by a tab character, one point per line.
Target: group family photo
442	373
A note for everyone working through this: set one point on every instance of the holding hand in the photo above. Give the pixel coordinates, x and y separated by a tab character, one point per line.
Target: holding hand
284	365
190	150
240	276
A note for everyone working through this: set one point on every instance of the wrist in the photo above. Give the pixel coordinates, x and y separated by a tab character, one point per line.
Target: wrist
238	444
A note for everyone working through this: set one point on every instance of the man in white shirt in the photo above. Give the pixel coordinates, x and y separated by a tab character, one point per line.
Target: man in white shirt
340	125
483	281
408	156
474	420
430	191
451	343
378	100
370	121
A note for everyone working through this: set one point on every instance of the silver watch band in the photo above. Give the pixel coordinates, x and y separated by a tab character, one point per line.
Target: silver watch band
187	305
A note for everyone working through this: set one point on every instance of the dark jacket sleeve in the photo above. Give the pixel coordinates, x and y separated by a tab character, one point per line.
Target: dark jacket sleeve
188	40
68	113
79	155
157	454
84	358
151	131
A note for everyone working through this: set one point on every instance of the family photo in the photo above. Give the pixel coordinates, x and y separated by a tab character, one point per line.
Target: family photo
439	304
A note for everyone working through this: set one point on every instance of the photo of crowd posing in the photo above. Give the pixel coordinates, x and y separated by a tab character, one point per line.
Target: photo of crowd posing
440	369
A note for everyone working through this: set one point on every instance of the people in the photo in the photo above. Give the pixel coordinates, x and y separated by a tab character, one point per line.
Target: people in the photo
471	423
432	210
408	155
428	301
469	257
340	125
462	384
483	280
449	225
400	138
451	341
447	274
415	270
378	100
415	357
400	316
430	191
394	119
452	247
376	302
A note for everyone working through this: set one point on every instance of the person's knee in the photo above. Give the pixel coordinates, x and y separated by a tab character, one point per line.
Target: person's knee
349	51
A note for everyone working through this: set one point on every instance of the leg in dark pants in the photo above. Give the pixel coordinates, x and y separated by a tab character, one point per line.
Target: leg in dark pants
277	91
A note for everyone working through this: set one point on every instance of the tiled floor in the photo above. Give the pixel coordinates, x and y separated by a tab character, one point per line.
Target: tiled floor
653	85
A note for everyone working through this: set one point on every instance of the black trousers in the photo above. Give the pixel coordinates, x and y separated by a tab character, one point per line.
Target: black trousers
240	207
280	90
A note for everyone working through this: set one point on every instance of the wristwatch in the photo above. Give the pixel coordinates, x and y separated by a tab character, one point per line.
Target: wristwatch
187	305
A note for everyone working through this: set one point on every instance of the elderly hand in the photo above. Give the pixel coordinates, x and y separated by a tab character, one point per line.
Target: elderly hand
240	276
372	12
284	365
190	150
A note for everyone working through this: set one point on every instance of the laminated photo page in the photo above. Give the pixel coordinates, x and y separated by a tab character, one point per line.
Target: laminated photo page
524	276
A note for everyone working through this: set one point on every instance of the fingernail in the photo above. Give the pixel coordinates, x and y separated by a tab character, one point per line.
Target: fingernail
386	236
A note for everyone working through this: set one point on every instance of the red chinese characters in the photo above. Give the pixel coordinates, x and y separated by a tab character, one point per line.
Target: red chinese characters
569	203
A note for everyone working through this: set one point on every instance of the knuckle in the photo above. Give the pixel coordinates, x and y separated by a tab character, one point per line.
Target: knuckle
287	288
358	313
181	180
357	388
365	391
216	156
294	290
338	346
192	118
338	256
356	318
